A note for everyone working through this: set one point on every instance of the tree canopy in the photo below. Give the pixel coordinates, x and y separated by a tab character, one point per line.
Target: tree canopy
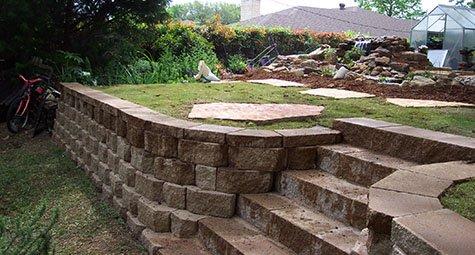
466	3
406	9
37	28
201	13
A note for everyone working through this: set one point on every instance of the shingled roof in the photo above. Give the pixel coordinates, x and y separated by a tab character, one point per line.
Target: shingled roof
335	20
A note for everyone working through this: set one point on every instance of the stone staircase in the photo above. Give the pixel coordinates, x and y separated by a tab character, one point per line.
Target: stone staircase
319	211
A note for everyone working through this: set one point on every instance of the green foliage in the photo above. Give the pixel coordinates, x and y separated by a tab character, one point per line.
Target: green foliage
327	71
201	13
250	41
71	67
237	64
467	3
28	234
405	9
351	56
330	55
461	199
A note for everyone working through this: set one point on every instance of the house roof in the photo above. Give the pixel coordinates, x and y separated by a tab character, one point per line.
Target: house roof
335	20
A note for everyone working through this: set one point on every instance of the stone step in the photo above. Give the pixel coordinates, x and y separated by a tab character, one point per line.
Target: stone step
168	244
325	193
358	165
237	237
410	143
302	230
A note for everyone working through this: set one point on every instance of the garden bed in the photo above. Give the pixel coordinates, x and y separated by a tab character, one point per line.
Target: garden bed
177	100
464	94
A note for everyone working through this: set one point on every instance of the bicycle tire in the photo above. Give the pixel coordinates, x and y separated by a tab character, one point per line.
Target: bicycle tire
12	117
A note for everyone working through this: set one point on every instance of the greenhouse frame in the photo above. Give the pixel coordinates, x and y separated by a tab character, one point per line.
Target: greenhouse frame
447	29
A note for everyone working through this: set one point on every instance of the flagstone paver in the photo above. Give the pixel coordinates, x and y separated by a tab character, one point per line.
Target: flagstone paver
404	102
278	83
336	93
254	112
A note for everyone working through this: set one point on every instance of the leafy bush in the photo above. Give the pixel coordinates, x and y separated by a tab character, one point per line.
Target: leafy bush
330	55
237	64
327	71
28	234
250	41
351	56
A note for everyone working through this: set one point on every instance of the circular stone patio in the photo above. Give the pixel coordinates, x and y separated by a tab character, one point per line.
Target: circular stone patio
254	112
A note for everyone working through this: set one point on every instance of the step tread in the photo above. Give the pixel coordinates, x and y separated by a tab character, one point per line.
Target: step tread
317	224
369	155
168	244
331	183
243	237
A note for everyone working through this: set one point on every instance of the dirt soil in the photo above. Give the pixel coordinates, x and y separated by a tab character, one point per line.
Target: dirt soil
464	94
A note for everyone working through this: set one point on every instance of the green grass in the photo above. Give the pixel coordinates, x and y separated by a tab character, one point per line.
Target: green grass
35	171
178	99
461	199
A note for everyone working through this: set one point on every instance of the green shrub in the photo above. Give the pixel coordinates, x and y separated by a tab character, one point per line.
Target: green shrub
28	234
351	56
237	64
328	71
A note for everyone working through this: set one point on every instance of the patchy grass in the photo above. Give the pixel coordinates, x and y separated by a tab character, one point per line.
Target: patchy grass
178	99
35	171
461	199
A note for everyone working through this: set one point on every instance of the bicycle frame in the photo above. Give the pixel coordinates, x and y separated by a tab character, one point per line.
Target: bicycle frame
26	98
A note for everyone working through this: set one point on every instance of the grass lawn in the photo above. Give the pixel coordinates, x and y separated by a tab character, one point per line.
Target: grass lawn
461	198
35	171
178	99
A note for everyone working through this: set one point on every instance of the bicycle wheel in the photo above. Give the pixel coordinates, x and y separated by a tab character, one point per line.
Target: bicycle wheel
16	119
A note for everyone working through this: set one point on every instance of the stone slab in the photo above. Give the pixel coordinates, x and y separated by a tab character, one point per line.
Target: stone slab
254	112
414	183
454	171
437	232
405	102
336	93
277	83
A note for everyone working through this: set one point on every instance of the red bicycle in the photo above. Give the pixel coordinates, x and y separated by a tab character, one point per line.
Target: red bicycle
37	102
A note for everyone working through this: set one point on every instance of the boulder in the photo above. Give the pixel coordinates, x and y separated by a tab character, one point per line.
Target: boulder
310	64
419	81
382	61
466	80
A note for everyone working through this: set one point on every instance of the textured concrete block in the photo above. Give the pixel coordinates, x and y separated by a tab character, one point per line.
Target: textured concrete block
243	181
116	184
156	217
135	226
130	198
112	141
123	149
254	138
119	206
174	171
112	161
301	158
142	160
185	224
210	202
210	154
261	159
102	152
205	177
106	194
148	186
103	173
174	195
127	173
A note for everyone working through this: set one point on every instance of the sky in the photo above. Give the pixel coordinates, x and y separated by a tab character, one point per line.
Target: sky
270	6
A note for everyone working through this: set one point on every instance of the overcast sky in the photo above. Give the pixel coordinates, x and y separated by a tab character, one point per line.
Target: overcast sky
269	6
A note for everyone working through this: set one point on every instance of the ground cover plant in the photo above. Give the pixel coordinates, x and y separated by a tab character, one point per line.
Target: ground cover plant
36	173
178	99
461	199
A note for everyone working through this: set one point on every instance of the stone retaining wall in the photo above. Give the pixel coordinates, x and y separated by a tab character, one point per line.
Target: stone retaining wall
147	163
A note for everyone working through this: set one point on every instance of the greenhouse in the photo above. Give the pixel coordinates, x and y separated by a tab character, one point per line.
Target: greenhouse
446	31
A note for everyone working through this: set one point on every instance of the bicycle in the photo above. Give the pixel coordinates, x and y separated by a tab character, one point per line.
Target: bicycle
36	105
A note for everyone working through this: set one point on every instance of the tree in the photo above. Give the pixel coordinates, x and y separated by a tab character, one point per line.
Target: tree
405	9
202	13
41	27
466	3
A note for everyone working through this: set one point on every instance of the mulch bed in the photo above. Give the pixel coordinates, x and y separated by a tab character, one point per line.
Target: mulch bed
465	94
